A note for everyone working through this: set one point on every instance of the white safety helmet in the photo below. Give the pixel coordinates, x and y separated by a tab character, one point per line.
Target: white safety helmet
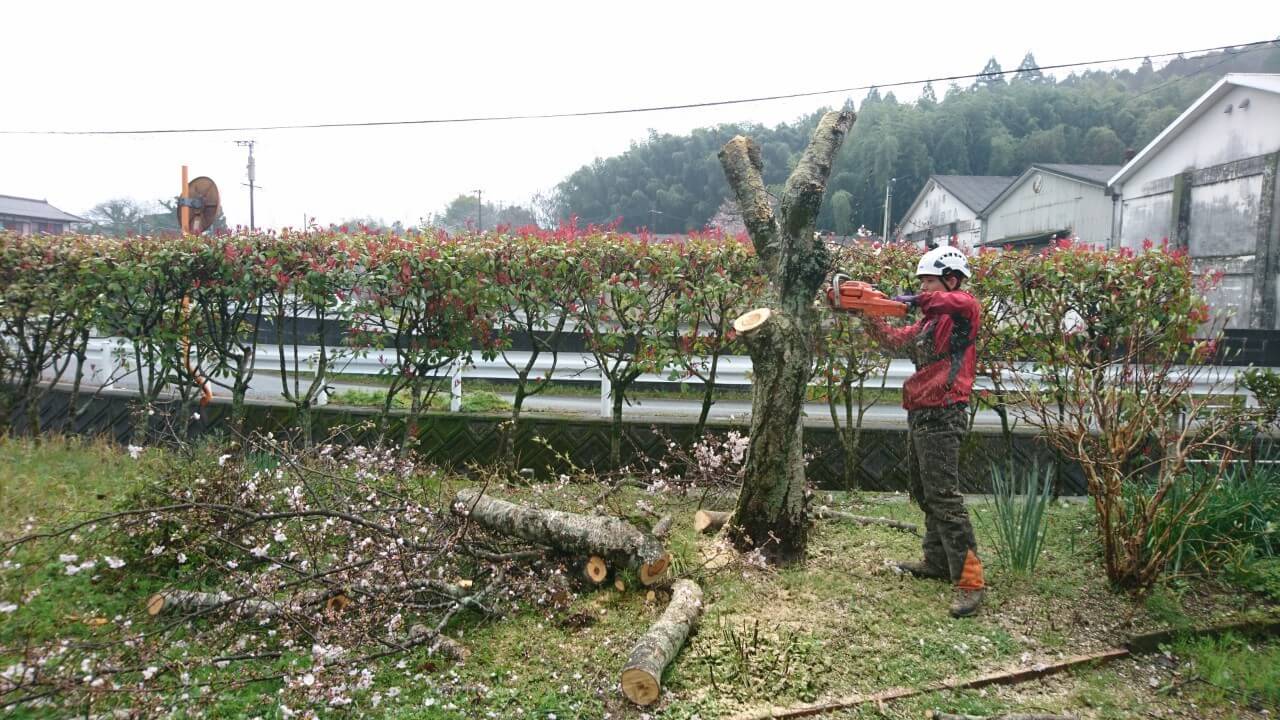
942	260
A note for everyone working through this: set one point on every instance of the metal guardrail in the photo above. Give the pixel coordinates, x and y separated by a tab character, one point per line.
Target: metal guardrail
105	356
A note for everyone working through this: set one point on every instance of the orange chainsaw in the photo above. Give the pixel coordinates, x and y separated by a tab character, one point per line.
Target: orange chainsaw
856	296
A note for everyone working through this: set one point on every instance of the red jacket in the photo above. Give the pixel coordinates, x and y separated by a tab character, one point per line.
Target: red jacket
941	345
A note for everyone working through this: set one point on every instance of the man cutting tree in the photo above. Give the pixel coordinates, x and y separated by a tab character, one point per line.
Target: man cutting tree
942	346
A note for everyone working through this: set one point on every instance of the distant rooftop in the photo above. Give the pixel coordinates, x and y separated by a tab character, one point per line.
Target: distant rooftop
975	191
36	209
1096	174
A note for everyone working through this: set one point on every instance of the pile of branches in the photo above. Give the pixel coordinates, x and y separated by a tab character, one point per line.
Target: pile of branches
264	567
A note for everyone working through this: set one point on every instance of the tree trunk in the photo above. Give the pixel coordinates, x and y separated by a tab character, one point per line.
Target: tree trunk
709	387
615	428
771	513
510	435
613	539
642	675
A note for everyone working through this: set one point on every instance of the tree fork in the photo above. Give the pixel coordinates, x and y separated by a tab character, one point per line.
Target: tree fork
770	513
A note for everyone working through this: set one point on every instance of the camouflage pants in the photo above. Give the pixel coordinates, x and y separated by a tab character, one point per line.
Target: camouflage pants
934	444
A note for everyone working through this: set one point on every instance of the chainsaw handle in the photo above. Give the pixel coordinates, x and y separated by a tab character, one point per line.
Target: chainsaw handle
833	295
838	278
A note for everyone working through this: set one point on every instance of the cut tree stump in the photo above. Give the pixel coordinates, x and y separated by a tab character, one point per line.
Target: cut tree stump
709	521
642	675
595	570
615	540
751	320
822	512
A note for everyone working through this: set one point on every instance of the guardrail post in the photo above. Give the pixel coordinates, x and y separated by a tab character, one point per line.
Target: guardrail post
606	393
455	388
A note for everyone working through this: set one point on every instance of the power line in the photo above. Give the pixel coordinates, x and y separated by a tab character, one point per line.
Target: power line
1195	73
1246	47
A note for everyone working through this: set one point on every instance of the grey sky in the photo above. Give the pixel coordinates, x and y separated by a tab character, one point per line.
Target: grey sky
99	66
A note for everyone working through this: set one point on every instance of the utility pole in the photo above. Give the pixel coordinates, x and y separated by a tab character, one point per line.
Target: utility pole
252	176
888	208
479	211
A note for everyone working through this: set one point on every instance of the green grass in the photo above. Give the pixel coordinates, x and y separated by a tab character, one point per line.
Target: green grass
1231	668
46	481
687	391
479	401
841	622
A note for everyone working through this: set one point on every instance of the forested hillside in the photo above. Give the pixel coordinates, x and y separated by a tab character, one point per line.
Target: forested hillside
995	126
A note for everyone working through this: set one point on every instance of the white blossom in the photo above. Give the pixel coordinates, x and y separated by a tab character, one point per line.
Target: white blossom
114	563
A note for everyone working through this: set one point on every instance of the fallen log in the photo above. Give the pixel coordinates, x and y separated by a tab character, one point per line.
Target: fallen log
612	539
173	600
642	675
822	512
709	521
662	528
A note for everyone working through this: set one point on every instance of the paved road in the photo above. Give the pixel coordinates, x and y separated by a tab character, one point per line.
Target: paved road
265	390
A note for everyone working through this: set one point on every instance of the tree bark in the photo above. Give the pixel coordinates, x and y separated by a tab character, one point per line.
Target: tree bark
642	675
770	513
613	539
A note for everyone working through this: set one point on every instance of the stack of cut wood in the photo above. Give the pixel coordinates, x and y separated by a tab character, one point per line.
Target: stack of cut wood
601	543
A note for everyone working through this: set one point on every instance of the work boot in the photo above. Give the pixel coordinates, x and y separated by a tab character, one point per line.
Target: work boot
967	602
923	569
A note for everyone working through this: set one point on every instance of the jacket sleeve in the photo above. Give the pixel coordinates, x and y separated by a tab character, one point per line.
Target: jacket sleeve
889	336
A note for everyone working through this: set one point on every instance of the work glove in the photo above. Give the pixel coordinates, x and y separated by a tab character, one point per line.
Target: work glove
908	300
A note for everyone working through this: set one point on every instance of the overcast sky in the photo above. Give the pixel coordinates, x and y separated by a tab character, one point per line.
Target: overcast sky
98	66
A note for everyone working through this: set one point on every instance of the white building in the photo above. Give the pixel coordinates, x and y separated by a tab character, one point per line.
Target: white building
1207	183
1050	201
949	209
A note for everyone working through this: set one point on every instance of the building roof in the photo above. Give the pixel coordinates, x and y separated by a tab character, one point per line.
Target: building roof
37	209
1267	82
1089	174
975	191
1094	174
